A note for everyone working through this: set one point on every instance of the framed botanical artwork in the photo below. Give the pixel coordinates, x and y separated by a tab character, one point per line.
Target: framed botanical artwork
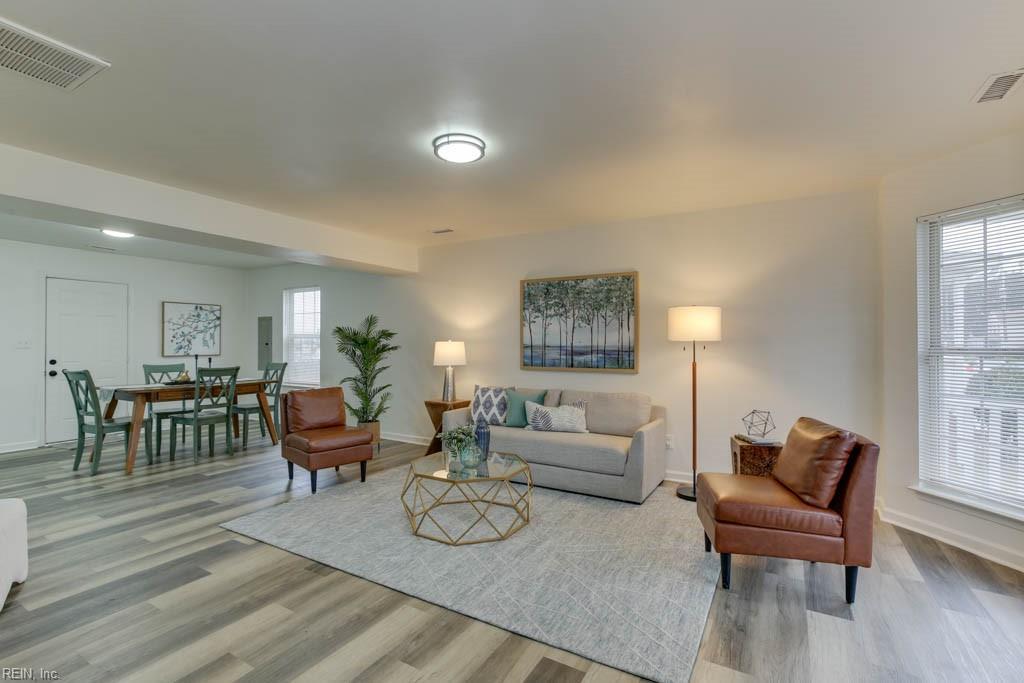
190	329
584	323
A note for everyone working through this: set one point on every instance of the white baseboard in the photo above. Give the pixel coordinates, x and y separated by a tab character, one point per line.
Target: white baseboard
18	446
405	438
680	476
1005	555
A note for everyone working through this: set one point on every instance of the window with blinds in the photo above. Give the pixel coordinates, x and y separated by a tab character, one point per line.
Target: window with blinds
971	353
302	336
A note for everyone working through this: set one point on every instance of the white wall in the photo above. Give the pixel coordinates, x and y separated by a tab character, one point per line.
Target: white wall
346	297
23	270
970	176
798	282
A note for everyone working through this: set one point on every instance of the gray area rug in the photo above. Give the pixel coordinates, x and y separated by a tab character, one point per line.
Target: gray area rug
626	585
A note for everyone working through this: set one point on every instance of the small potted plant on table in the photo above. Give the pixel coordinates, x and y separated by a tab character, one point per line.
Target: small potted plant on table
366	347
460	445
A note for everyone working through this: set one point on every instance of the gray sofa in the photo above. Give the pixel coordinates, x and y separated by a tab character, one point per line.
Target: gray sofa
622	456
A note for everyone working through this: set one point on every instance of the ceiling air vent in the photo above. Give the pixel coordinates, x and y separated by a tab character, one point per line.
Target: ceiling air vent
998	86
44	59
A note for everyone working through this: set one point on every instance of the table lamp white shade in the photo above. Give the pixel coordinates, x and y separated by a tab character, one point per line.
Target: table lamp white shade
695	323
448	353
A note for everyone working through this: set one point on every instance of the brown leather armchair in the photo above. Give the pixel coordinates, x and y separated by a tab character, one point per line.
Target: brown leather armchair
315	436
818	505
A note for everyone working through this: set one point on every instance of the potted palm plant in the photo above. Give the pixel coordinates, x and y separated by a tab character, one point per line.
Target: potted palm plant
366	347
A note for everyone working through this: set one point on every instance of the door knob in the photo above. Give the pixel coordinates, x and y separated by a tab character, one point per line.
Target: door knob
53	361
52	373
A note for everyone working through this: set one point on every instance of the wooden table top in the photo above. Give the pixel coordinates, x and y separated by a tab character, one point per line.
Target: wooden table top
175	392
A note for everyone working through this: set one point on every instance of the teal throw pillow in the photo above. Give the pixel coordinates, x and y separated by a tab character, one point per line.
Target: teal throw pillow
516	416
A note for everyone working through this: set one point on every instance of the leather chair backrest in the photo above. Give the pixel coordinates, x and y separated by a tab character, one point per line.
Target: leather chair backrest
813	461
313	409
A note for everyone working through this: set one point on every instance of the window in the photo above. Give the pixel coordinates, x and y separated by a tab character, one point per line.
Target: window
302	336
971	354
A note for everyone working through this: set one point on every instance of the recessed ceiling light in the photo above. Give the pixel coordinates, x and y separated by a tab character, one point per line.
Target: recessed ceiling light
121	234
459	148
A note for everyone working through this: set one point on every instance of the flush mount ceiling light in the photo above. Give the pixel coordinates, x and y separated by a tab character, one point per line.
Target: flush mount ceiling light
120	234
459	148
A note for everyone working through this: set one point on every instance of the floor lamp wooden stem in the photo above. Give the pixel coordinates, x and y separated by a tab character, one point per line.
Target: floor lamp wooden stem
689	491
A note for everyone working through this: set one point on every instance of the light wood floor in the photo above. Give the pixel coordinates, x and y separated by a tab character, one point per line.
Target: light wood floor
131	578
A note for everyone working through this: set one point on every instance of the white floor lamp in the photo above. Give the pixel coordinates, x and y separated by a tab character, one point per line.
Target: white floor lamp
694	324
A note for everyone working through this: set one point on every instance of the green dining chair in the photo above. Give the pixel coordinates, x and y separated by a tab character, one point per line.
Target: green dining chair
274	374
212	404
90	420
161	374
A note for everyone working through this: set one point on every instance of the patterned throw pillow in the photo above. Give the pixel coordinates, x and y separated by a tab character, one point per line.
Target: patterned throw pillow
568	418
490	404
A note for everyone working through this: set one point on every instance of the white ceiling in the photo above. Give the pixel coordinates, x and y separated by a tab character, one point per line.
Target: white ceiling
593	110
24	229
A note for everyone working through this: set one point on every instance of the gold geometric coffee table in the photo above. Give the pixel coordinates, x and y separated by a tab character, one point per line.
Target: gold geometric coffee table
467	506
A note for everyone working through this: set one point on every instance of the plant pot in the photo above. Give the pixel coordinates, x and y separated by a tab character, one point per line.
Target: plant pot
373	428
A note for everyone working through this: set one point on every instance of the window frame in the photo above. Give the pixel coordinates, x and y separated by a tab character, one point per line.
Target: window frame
933	351
288	321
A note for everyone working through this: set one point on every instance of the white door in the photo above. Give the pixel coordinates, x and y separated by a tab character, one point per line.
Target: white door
86	329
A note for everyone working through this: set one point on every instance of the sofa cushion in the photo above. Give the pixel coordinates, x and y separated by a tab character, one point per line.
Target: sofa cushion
316	409
551	396
600	453
620	414
517	399
763	502
813	460
327	439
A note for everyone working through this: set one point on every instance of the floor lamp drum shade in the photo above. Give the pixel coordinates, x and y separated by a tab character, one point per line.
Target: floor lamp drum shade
449	354
695	323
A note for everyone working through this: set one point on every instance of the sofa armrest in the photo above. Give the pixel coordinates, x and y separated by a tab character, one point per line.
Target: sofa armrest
451	419
646	461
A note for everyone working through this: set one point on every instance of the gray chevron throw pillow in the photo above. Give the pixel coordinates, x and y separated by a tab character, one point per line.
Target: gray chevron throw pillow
490	405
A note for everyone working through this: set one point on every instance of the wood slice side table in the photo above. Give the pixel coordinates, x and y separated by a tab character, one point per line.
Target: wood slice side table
754	458
435	409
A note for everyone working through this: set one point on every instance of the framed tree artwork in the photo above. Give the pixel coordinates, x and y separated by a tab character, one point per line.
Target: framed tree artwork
190	329
585	323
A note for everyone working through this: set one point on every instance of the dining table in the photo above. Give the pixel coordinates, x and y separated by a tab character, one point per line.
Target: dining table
142	394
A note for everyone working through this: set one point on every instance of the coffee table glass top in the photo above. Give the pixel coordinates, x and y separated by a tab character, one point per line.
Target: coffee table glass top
496	466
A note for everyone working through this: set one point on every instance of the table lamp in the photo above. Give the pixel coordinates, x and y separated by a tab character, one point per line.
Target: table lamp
694	324
449	354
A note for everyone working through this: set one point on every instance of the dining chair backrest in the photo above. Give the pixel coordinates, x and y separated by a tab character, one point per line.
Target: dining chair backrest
215	388
274	372
162	373
83	392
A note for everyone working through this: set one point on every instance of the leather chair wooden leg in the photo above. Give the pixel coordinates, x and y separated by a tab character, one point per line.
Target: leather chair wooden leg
851	584
726	570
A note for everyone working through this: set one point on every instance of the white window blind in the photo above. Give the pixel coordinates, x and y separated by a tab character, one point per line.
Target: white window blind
302	336
971	353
